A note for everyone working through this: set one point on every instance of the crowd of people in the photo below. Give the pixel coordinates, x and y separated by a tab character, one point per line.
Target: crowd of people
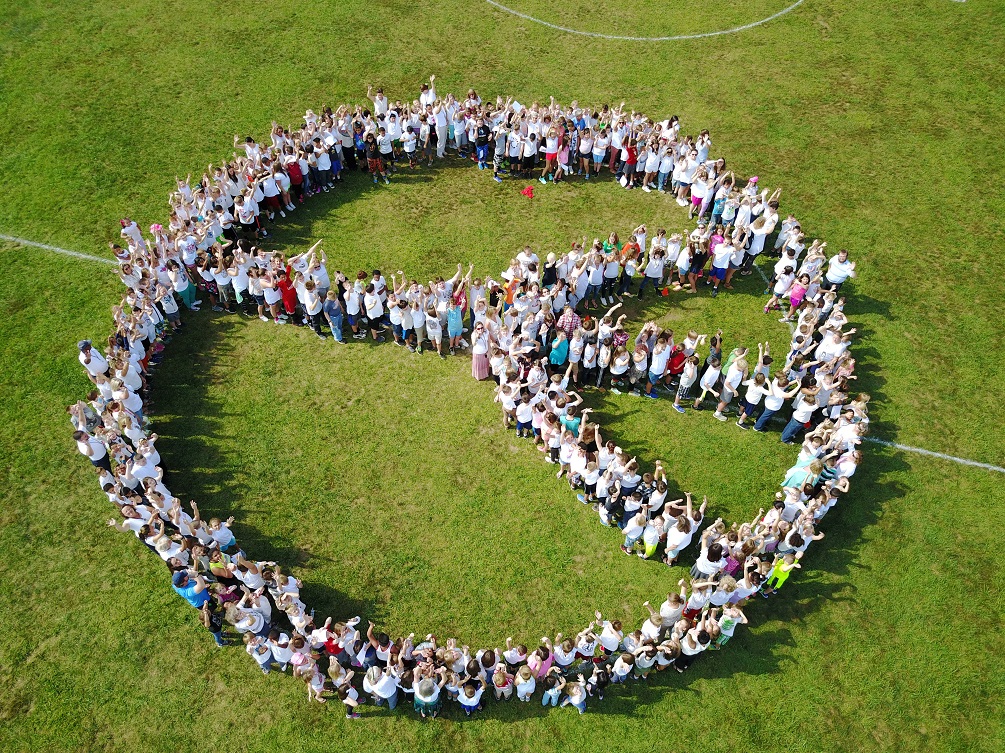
545	331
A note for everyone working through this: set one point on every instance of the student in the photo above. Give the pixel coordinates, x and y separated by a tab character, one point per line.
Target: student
575	694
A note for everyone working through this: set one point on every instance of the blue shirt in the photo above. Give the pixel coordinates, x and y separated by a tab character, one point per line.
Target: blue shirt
189	594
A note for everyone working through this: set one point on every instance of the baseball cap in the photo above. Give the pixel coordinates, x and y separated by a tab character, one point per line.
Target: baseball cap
83	345
179	577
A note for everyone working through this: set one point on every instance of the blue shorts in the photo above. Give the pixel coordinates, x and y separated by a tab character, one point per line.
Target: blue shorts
654	378
353	318
718	273
523	425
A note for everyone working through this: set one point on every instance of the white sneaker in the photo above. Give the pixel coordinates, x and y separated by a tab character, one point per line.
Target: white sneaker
603	301
647	189
280	321
282	213
263	317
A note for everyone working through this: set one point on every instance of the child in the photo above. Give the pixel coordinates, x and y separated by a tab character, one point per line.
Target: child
502	684
552	685
470	696
708	381
781	568
782	285
526	682
576	694
688	376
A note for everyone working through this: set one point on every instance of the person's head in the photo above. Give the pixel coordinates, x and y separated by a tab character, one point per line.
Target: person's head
715	552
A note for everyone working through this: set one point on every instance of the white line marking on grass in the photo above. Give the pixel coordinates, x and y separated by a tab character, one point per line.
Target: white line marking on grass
940	455
56	249
676	38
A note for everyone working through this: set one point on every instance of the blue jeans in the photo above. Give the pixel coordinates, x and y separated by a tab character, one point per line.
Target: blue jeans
647	280
483	153
550	696
336	326
391	702
763	420
791	430
592	292
661	180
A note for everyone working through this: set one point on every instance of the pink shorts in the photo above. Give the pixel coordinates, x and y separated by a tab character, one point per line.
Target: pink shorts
696	200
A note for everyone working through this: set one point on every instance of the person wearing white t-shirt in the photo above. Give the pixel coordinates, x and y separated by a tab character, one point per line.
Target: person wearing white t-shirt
839	269
92	360
735	375
374	311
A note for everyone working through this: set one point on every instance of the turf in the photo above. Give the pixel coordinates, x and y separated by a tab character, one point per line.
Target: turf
880	121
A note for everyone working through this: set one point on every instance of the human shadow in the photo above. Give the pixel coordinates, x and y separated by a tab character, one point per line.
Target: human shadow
190	424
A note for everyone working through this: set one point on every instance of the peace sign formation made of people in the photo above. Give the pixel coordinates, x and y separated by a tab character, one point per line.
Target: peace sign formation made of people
544	331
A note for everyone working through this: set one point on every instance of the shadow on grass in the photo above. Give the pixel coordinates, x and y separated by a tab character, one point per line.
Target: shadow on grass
188	421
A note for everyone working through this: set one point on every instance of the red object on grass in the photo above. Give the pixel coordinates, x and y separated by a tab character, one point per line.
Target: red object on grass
528	192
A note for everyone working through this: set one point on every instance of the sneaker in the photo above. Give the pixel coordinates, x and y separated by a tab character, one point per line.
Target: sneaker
652	394
603	301
615	390
647	189
375	180
759	431
582	498
719	416
280	321
497	179
785	320
359	336
626	550
282	213
418	349
380	339
715	292
386	181
263	317
443	356
411	348
549	460
679	409
543	180
558	475
218	308
321	335
353	715
742	426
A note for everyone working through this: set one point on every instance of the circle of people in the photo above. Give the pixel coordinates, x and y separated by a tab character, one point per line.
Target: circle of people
532	332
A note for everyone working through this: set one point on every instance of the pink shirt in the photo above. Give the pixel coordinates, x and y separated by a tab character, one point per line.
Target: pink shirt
538	667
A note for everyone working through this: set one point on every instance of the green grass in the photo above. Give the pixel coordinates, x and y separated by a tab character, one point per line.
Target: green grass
881	122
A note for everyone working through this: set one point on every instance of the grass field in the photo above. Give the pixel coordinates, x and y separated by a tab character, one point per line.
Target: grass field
368	470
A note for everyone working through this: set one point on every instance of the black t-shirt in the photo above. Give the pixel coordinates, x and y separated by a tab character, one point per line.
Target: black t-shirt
482	135
371	149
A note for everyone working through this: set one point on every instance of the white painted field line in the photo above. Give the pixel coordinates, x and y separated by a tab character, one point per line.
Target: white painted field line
676	38
55	249
939	455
